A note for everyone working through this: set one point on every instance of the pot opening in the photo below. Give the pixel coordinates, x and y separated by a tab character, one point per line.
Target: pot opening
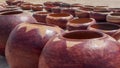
12	12
82	34
81	20
115	14
59	15
105	26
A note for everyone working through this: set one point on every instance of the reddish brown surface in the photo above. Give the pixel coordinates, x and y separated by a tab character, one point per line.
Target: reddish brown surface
81	50
8	21
26	43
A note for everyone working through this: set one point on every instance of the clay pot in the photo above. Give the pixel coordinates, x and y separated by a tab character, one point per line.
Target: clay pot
57	3
14	2
48	3
101	8
99	16
40	16
49	8
59	19
80	23
110	29
82	14
81	49
67	5
87	8
37	7
115	9
56	9
114	18
26	6
76	5
68	10
26	42
9	20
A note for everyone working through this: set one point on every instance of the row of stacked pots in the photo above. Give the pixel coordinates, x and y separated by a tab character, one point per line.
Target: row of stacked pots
82	42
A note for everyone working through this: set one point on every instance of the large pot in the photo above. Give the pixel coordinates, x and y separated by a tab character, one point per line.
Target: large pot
9	20
80	23
81	49
59	19
26	42
108	28
40	16
114	18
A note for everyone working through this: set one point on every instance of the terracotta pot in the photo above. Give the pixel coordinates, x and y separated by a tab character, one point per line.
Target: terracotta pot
67	5
80	23
48	3
26	42
82	14
76	5
59	19
26	6
68	10
56	9
115	9
8	21
87	8
15	2
99	16
49	8
40	16
114	18
110	29
37	7
57	3
101	8
81	49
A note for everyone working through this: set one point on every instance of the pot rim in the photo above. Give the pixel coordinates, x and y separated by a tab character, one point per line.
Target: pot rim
103	35
114	30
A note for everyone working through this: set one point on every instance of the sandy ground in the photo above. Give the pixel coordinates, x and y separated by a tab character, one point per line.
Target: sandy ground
110	3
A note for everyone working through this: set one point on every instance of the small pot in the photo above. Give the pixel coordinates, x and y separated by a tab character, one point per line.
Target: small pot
56	9
37	7
114	18
57	3
49	8
80	23
81	49
82	14
110	29
76	5
87	8
99	16
68	10
26	42
59	19
65	5
115	9
48	3
40	16
101	8
14	2
26	6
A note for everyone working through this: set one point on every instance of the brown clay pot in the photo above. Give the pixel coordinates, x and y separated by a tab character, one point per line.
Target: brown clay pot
82	14
56	9
101	8
26	42
14	2
114	18
9	20
37	7
68	10
40	16
57	3
48	3
76	5
65	5
99	16
59	19
80	23
81	49
87	8
49	8
115	9
26	6
110	29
